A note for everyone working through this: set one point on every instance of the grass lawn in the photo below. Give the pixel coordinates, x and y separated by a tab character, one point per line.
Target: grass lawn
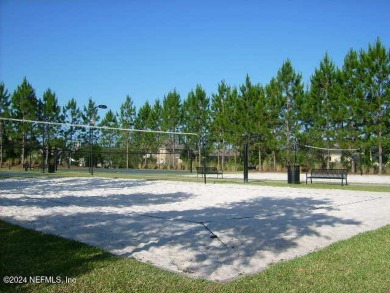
183	177
360	264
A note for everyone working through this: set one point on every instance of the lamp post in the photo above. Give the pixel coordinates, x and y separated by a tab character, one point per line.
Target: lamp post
91	137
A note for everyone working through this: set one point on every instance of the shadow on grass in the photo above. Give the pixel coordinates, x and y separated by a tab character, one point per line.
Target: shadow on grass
26	253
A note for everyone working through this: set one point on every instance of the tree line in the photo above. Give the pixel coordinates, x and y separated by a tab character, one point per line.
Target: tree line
345	107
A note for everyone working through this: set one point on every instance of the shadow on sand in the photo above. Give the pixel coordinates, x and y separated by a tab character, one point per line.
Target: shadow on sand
227	235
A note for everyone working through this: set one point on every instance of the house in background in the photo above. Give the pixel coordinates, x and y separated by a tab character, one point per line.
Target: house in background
169	154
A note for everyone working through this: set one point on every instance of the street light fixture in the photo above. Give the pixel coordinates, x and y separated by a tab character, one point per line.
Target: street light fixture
91	137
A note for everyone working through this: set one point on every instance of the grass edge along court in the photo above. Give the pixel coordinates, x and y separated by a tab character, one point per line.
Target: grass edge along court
184	176
358	264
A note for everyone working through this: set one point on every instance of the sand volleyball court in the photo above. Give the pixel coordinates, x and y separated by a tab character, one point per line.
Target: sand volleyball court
213	231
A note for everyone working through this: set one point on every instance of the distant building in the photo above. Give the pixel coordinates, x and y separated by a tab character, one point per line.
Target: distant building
169	153
226	153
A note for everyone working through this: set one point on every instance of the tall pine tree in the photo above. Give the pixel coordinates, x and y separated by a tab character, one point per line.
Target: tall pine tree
375	72
172	118
4	109
127	113
23	106
323	105
72	115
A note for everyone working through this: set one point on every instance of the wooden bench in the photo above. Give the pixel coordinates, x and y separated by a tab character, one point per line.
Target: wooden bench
328	174
208	170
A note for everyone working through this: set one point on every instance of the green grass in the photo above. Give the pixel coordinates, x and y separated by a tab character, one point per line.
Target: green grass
332	184
360	264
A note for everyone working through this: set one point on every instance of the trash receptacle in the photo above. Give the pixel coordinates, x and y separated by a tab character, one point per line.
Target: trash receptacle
293	174
51	168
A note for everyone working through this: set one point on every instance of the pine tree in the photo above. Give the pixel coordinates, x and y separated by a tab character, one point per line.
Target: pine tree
72	115
247	118
171	112
156	124
127	114
285	95
172	117
51	113
23	106
351	106
196	117
323	105
90	117
4	108
375	72
262	124
219	118
144	140
109	138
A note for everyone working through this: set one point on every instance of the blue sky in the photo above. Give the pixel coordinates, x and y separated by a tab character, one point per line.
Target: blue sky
109	49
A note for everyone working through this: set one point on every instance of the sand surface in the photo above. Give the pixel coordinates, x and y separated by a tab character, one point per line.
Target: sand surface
213	231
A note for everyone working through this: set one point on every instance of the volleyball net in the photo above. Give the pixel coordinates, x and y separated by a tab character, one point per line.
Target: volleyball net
41	144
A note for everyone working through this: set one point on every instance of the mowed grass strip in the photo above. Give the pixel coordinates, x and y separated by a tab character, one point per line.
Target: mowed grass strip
359	264
186	177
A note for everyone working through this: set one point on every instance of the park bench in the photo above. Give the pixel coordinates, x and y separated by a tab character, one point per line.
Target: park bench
328	174
208	170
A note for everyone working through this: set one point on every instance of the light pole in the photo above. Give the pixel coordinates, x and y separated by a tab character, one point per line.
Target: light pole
91	136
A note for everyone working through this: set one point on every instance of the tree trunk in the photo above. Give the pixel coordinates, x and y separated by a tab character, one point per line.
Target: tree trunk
199	155
127	154
1	144
23	148
47	155
380	151
223	154
235	161
174	165
371	167
353	166
260	164
69	159
47	147
274	157
328	159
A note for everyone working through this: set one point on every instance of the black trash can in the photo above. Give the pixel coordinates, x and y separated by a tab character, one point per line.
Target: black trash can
293	174
51	168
